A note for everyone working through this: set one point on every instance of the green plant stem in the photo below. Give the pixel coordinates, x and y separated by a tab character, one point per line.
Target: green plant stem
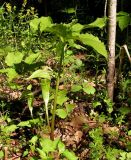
56	94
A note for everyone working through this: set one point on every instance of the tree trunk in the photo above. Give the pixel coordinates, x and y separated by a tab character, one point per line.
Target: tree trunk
112	5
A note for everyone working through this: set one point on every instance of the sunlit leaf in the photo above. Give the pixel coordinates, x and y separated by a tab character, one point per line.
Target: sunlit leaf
47	145
76	88
11	73
96	103
14	58
1	154
9	129
45	22
61	113
99	22
24	124
42	154
34	24
61	147
33	140
61	98
129	132
40	74
89	89
32	58
69	155
94	42
77	28
69	107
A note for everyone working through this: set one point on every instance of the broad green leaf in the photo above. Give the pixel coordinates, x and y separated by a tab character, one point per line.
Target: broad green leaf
41	73
99	22
61	113
9	129
14	58
32	58
94	42
74	45
77	28
88	88
61	147
76	88
24	124
123	19
69	107
69	155
47	145
61	98
63	31
34	24
45	86
45	22
11	73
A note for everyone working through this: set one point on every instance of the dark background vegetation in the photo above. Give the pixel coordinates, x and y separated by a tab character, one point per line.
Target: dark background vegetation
85	8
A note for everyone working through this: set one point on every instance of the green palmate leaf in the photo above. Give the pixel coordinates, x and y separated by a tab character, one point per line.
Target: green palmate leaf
123	19
41	73
61	113
61	98
88	88
32	58
45	22
34	24
69	155
94	42
14	58
45	86
99	22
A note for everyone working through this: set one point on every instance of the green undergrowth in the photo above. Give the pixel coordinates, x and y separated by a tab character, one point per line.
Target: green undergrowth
47	71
